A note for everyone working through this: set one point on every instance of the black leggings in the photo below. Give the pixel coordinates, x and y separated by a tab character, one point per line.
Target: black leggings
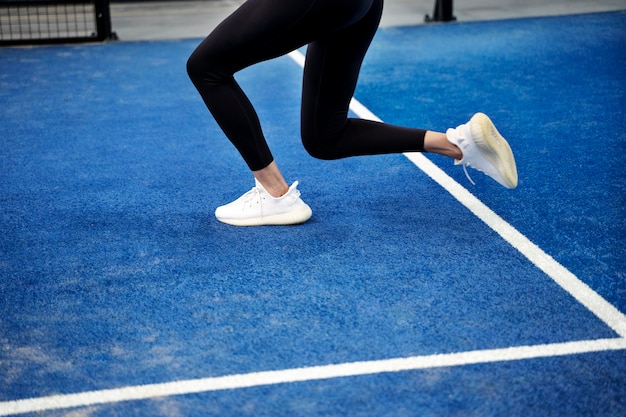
338	34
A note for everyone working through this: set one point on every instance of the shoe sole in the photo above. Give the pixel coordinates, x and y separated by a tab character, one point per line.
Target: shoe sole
290	218
494	148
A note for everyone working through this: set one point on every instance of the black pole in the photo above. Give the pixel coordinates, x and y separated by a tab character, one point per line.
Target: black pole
442	12
103	21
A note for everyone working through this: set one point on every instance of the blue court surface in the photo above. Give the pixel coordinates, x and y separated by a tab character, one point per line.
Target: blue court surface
411	292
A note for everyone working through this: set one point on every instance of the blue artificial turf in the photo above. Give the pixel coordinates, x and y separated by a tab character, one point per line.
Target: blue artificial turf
555	88
113	271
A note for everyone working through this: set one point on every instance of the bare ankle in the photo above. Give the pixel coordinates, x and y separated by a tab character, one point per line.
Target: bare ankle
438	143
272	180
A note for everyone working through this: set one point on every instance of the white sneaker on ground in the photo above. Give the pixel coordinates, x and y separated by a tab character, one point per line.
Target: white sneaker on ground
258	208
484	149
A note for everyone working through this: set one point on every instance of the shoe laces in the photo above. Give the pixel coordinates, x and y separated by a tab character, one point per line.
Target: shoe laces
251	196
467	174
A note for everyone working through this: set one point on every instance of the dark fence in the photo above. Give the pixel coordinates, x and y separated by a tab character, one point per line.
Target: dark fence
24	22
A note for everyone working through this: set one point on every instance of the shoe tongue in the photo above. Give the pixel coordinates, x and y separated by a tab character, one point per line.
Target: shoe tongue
293	187
258	185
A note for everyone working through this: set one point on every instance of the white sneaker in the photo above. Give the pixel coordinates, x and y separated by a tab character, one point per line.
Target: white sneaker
258	208
484	149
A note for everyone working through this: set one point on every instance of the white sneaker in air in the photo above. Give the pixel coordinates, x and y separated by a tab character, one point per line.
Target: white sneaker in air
258	208
484	149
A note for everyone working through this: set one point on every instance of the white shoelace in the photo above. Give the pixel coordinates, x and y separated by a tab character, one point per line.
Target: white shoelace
467	174
250	196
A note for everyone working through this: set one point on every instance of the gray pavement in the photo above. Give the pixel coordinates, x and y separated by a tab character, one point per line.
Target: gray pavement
196	18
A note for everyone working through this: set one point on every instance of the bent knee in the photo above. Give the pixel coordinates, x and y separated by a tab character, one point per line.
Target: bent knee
197	66
203	67
318	148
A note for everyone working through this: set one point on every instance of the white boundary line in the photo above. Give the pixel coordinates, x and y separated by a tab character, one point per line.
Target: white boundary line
313	373
568	281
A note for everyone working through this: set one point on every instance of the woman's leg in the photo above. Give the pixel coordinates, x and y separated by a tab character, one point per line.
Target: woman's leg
259	30
332	68
331	71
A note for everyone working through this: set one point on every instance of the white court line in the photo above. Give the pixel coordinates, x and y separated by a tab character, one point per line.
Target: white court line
578	289
313	373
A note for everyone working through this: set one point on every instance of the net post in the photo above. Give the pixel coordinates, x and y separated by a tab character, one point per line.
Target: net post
103	21
442	13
